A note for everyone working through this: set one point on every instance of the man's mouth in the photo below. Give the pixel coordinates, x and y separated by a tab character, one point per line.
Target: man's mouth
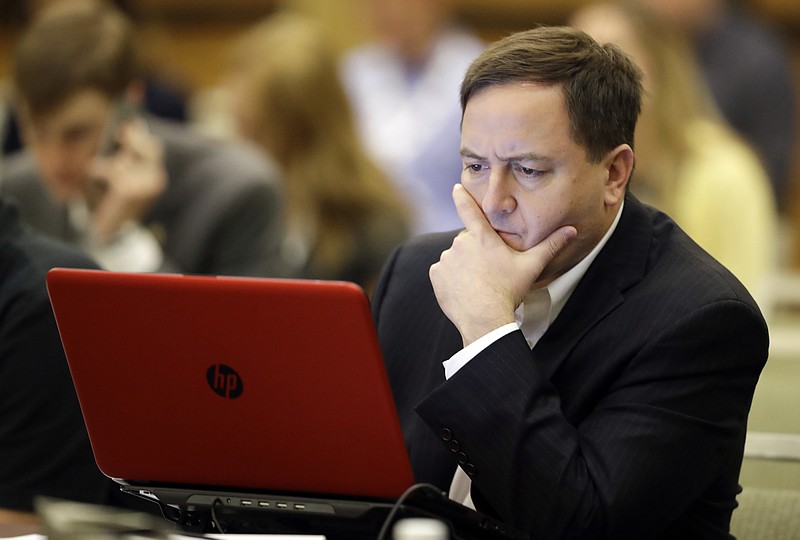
508	237
503	232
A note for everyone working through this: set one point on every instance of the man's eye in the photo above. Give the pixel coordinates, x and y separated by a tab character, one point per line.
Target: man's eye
475	167
528	171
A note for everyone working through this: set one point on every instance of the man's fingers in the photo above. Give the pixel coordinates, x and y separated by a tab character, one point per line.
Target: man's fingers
468	210
137	140
546	250
560	238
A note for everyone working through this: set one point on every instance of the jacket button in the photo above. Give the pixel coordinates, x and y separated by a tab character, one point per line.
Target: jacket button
470	469
446	434
455	446
462	458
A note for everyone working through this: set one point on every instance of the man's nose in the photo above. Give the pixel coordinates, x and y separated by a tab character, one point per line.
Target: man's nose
499	198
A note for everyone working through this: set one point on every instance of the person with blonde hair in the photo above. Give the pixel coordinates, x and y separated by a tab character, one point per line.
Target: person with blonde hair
343	217
690	163
746	61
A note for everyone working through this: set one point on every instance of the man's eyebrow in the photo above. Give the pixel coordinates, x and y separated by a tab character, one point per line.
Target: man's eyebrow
467	153
527	156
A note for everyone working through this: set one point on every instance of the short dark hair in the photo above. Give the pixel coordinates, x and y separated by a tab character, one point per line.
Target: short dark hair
72	46
602	87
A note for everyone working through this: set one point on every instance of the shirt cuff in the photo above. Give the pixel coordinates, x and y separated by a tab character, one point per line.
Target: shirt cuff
462	357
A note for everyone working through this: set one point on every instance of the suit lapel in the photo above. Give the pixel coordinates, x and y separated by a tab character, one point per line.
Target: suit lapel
620	264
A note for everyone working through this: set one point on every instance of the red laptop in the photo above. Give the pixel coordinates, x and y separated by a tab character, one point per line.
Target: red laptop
243	404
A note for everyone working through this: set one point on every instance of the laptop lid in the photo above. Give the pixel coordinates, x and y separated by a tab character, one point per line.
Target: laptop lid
245	383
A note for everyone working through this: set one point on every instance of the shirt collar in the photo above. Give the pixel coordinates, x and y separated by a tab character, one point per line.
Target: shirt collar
561	288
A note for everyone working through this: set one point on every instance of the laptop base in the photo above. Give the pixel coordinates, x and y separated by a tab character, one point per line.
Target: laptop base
206	512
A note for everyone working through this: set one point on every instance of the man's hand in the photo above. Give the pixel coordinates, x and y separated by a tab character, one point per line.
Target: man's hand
132	179
480	281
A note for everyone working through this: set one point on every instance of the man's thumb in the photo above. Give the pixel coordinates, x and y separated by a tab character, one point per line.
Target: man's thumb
546	250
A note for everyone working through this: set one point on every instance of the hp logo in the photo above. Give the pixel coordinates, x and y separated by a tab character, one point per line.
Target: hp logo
224	381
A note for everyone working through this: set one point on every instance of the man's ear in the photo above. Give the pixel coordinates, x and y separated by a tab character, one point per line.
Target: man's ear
619	165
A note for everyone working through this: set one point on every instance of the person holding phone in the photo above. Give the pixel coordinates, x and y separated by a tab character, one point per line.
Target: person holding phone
135	192
570	362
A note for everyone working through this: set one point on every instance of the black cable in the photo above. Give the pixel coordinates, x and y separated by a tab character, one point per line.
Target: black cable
167	512
216	520
396	507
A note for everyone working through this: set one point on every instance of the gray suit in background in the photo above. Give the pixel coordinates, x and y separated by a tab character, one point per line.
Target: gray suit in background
220	213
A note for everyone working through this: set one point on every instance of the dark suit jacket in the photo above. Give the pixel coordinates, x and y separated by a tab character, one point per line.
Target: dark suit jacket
626	420
44	448
220	212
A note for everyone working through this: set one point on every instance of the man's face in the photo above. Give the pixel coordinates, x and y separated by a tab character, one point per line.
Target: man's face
65	141
528	175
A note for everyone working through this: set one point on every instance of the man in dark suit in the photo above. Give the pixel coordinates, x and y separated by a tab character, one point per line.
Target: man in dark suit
571	362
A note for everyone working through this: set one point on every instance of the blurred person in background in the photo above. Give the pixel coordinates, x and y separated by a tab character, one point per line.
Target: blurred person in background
136	193
161	95
749	73
689	162
343	216
404	87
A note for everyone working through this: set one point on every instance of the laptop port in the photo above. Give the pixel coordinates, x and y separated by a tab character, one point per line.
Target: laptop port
299	507
263	504
282	506
246	502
